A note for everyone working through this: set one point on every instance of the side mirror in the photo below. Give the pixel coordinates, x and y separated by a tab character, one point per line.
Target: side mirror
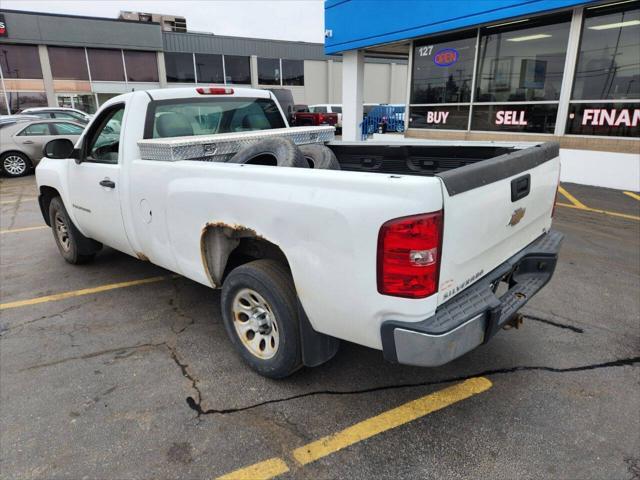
58	148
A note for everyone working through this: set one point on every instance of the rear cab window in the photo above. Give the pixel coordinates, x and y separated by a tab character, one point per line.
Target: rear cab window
206	116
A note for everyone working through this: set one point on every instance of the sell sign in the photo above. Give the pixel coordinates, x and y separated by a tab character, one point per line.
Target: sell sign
3	26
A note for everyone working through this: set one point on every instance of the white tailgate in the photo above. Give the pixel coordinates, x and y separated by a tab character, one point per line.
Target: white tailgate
478	236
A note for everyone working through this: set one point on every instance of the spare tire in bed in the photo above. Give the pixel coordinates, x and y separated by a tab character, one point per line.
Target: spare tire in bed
276	151
320	156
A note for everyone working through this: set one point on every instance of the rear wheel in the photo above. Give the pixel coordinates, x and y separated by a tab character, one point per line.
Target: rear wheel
15	164
259	310
74	247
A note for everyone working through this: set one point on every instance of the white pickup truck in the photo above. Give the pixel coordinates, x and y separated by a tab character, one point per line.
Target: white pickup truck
400	247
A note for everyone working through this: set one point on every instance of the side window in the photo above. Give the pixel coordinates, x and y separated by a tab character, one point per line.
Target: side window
36	129
65	128
318	109
69	116
103	142
336	108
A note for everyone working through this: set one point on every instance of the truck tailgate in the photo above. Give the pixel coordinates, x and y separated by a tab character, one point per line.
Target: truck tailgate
492	210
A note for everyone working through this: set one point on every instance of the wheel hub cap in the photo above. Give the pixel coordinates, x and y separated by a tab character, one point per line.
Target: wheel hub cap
15	165
255	324
62	232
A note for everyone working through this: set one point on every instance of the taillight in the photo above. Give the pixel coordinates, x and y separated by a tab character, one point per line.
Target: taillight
321	118
409	250
214	91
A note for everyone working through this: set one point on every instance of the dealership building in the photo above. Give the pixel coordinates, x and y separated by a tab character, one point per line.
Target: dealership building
506	70
73	61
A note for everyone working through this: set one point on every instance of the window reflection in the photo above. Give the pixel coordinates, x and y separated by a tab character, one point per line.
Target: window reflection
608	64
443	70
522	64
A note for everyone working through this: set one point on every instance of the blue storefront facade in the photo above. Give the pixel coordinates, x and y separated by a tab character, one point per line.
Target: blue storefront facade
535	70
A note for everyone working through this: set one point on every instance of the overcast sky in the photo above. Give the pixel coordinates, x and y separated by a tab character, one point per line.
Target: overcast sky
301	20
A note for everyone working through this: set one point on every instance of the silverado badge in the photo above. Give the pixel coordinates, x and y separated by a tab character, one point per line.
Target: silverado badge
516	216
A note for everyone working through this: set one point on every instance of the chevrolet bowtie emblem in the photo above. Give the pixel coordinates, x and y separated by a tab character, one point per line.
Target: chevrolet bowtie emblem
516	216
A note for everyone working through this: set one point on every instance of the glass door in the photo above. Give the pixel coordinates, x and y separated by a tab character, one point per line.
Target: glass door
65	101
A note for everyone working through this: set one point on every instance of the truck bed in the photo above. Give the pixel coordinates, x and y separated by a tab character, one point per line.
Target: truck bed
419	158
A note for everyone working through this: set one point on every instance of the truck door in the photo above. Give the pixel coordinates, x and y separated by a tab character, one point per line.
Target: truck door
94	182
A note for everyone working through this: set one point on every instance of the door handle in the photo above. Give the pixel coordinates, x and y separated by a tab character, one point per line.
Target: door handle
108	183
520	187
27	142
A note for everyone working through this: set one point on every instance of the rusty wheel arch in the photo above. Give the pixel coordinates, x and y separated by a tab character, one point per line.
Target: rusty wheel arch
224	247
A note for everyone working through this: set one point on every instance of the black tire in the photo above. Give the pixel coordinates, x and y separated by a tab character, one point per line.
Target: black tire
74	247
320	157
273	284
276	151
15	164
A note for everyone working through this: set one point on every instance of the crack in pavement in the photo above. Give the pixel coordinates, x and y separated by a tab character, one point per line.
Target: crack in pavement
124	351
553	323
178	310
7	329
196	405
184	368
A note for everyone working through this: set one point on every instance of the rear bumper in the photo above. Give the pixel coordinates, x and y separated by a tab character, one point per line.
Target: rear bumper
474	315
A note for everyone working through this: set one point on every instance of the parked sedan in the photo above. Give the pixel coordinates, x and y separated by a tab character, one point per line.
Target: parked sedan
21	143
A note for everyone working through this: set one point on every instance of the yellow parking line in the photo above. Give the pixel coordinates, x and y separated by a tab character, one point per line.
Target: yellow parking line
259	471
366	429
577	203
84	291
635	196
605	212
25	229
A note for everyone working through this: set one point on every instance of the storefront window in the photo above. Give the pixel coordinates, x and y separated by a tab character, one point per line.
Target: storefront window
20	100
141	66
292	72
608	64
20	61
442	118
209	68
610	119
103	97
105	65
179	67
522	62
443	70
237	69
86	103
529	118
269	71
68	63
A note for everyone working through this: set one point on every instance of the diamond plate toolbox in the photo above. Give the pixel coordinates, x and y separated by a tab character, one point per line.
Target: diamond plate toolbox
221	147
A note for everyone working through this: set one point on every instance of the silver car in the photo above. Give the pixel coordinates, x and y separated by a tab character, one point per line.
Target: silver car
61	113
21	142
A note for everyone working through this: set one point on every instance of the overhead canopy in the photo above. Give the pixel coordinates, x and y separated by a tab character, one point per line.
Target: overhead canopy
357	24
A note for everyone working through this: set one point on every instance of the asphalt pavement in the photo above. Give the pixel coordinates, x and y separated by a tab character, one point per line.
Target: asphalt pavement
117	369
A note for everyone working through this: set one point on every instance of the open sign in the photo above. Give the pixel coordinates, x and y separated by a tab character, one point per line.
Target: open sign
446	57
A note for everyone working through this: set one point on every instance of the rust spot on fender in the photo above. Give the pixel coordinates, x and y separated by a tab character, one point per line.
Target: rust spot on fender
231	229
234	232
142	256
